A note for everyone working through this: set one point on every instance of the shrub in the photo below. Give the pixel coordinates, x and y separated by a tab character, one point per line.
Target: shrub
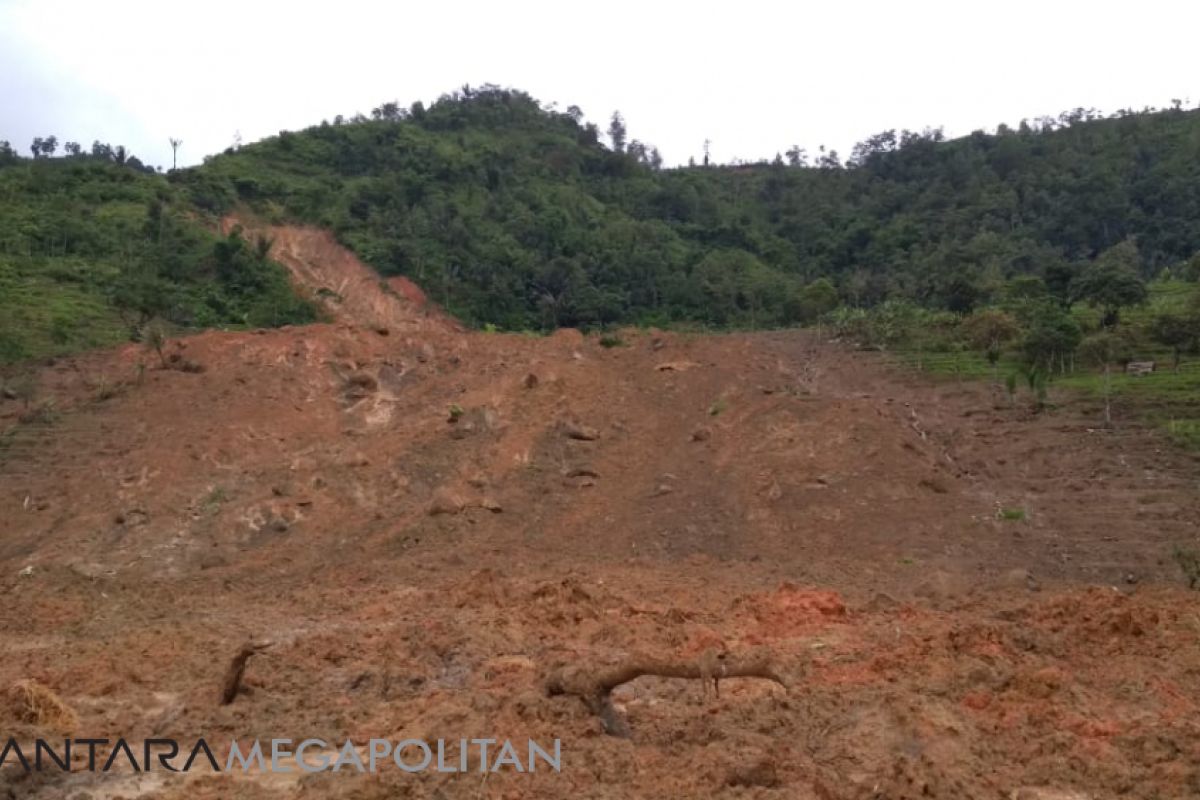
1189	562
155	338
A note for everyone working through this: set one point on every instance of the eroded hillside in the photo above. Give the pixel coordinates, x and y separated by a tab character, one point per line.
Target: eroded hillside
427	522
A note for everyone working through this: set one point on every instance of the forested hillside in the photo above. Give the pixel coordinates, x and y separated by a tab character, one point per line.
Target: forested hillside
94	246
519	216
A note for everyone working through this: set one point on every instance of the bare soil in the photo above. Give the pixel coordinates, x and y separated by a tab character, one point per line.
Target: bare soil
427	522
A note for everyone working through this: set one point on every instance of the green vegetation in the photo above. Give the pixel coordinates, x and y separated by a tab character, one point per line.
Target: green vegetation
1028	343
92	249
1011	514
517	215
1049	252
211	503
1189	563
1185	432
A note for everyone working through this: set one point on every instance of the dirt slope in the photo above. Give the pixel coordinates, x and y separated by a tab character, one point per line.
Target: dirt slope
426	521
348	290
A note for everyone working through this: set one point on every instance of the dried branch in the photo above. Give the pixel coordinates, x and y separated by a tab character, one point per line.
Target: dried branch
595	687
232	683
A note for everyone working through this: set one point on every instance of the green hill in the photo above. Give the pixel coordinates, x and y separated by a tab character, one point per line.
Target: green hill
91	248
518	216
515	215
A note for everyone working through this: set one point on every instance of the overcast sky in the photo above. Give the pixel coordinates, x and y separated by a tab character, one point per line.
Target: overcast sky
754	77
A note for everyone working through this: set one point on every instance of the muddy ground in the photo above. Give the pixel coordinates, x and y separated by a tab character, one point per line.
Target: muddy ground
426	523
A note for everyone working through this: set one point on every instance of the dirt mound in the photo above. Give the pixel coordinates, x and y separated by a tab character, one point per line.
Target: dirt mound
426	522
348	290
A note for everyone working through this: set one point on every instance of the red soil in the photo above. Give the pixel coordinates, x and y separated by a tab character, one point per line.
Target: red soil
829	510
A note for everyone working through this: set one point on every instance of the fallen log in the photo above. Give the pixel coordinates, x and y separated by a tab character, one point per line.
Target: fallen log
232	683
595	687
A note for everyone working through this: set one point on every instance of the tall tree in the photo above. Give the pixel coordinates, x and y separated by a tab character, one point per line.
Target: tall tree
1178	330
1051	337
174	151
797	156
1104	349
990	330
617	132
1111	282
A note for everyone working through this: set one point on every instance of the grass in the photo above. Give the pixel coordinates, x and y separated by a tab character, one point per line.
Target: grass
213	500
53	306
1011	514
1164	385
1185	432
965	365
1165	398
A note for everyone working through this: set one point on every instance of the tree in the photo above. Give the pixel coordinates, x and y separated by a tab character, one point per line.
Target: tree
617	132
1023	289
155	338
735	286
1191	269
140	294
813	301
960	294
174	151
1177	330
389	111
990	330
1111	282
1051	336
1059	275
828	159
49	145
36	146
1103	349
73	149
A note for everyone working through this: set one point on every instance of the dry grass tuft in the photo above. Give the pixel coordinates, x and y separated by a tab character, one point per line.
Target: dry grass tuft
36	704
